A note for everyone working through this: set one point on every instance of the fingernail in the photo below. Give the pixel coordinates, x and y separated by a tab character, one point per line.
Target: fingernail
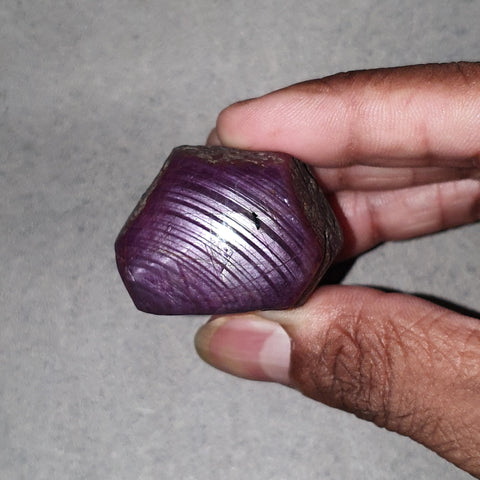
213	138
279	316
284	317
244	101
246	346
233	124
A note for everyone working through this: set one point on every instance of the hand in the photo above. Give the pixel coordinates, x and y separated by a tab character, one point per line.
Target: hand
397	151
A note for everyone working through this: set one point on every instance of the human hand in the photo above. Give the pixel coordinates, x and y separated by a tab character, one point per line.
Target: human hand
397	152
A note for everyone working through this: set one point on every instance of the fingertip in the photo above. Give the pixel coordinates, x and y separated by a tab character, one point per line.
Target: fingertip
261	123
233	125
304	124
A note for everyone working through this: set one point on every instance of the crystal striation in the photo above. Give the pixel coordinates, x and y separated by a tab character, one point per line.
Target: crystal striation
222	230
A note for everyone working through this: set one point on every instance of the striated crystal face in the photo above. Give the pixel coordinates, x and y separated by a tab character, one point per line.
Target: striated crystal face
222	230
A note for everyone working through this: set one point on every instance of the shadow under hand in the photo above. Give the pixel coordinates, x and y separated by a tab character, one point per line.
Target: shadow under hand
455	307
337	272
441	302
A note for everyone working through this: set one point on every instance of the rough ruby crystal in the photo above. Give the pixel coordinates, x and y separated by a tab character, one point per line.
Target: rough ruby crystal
222	230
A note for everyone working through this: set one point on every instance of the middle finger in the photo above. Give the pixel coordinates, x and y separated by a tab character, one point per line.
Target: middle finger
367	178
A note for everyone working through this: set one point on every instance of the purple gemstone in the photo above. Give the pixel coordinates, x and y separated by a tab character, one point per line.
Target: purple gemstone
222	230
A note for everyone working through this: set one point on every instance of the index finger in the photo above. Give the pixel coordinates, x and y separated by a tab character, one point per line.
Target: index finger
425	115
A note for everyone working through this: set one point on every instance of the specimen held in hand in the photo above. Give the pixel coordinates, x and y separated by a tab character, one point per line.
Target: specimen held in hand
222	230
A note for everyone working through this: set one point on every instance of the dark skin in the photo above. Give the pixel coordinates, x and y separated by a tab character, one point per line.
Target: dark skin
398	153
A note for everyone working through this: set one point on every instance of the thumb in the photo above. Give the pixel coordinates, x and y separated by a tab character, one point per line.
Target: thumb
401	362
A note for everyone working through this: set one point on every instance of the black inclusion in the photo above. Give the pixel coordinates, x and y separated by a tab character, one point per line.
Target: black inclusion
256	220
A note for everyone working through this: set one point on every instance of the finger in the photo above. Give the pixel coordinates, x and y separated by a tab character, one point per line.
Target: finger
411	116
403	363
360	177
369	218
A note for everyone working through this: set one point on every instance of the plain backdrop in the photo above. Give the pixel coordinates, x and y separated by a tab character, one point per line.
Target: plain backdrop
93	96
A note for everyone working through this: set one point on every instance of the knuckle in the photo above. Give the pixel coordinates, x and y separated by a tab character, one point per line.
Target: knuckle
360	369
353	365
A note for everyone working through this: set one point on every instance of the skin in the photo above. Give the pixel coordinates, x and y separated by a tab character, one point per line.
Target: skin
398	153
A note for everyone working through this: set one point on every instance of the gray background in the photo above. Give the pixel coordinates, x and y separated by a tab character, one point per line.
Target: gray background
93	96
